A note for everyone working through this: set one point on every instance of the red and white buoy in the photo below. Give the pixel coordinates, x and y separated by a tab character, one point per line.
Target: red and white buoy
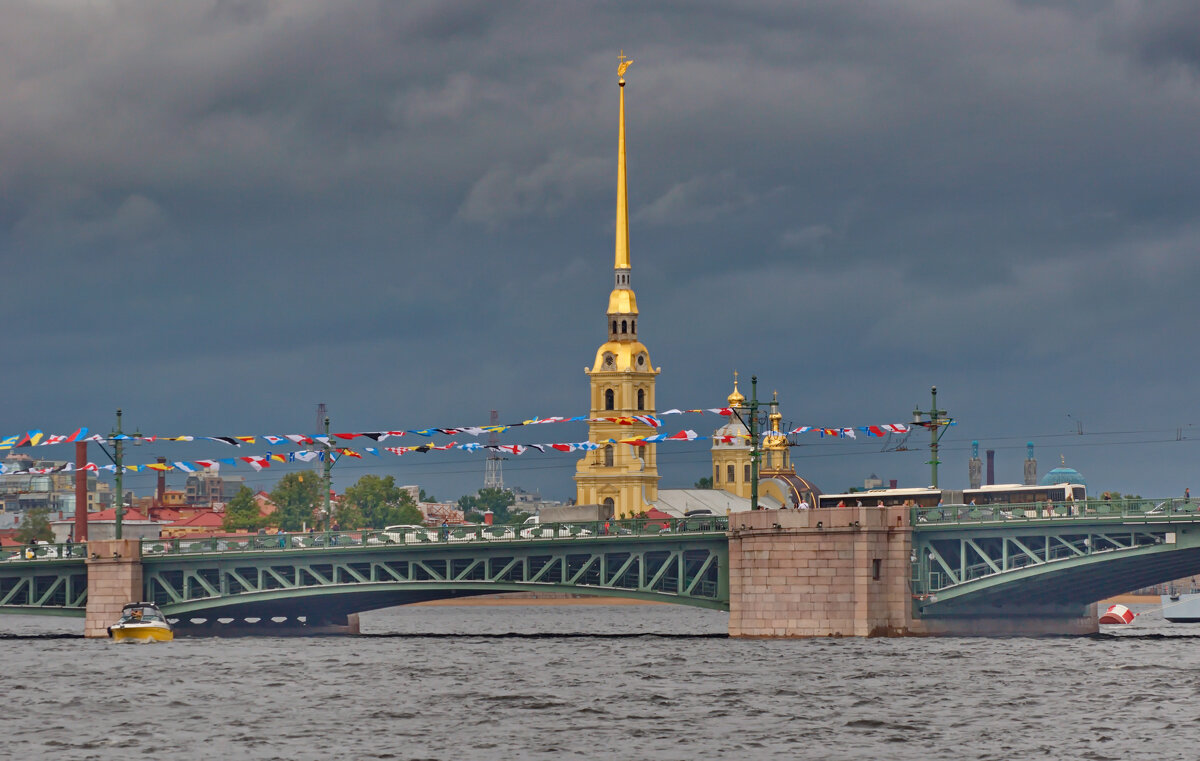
1117	614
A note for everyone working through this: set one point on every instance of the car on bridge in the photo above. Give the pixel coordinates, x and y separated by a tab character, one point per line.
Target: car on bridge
409	534
38	550
533	528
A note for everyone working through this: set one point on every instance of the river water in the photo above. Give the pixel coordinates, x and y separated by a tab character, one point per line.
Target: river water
597	681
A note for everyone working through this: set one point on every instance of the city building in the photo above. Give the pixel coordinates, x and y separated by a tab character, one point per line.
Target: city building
52	490
103	525
209	488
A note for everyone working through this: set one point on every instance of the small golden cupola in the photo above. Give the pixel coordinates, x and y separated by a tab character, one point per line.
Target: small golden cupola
775	443
735	400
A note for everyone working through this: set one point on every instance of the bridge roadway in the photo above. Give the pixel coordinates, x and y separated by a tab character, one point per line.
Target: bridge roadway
966	562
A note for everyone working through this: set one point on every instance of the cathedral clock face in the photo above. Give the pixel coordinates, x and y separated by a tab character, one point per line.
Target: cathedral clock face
609	360
641	360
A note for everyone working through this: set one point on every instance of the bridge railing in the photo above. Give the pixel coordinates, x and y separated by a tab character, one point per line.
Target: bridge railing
1089	509
449	535
43	551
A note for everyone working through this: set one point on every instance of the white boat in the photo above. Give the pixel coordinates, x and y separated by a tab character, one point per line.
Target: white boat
141	622
1181	608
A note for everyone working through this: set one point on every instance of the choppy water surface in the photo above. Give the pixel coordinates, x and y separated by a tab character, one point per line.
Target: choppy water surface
625	682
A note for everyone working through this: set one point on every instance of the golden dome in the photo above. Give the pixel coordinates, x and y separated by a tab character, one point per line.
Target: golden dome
735	399
624	355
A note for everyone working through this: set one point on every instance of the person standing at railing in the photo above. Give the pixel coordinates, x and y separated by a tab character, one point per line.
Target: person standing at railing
1187	495
445	532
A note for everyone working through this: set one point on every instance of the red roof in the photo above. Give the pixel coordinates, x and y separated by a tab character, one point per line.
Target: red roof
208	520
111	515
655	514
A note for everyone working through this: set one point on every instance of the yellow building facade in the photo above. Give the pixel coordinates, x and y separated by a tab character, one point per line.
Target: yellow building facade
620	476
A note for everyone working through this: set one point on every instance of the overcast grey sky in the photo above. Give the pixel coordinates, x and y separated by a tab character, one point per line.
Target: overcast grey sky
217	214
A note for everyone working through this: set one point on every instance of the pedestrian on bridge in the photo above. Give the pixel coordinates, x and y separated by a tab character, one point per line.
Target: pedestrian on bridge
445	530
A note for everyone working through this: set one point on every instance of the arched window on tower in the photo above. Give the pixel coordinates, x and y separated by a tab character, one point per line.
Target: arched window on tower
731	473
624	326
747	472
641	398
610	399
608	456
609	504
716	474
633	326
614	327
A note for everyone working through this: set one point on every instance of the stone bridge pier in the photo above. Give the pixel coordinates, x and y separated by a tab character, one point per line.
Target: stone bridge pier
846	572
114	578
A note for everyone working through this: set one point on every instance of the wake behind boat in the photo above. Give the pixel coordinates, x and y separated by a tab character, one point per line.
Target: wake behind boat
141	622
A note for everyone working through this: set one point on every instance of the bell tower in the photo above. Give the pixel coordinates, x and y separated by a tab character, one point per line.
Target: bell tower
621	476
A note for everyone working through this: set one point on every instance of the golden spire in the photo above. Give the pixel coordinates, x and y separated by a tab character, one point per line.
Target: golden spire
622	244
735	399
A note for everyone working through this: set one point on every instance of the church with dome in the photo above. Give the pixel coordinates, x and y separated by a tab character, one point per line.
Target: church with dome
624	478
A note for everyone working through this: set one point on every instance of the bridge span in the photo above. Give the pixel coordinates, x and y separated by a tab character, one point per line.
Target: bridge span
861	571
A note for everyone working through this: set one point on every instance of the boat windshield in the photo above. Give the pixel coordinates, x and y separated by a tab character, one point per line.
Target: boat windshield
142	614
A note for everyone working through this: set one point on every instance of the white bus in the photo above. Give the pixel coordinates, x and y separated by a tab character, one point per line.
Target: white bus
992	494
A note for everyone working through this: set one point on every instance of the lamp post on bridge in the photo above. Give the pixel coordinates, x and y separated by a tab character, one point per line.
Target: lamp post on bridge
117	437
327	480
933	420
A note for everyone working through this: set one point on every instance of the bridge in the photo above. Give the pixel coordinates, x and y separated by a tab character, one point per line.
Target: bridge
1050	558
317	581
958	569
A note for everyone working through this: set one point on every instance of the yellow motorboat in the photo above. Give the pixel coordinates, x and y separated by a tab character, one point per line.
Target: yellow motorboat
141	622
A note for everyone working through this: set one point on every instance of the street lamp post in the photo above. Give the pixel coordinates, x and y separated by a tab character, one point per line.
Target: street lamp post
118	460
327	481
755	453
935	420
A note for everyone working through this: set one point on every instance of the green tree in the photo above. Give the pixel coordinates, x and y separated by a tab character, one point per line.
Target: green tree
35	525
379	502
242	512
348	516
295	497
426	497
704	483
496	500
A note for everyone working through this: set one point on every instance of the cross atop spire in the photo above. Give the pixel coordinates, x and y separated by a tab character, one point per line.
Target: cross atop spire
623	63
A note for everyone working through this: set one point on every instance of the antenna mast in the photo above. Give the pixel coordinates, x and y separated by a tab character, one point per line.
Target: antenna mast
493	475
320	417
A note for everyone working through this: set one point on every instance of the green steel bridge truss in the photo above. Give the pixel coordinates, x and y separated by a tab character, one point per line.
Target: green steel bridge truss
326	577
1028	558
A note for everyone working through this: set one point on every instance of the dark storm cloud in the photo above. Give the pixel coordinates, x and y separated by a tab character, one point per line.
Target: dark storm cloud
221	213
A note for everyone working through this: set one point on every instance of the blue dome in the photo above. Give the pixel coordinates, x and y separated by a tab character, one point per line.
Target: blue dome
1062	475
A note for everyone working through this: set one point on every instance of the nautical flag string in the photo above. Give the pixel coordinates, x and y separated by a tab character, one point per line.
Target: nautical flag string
260	462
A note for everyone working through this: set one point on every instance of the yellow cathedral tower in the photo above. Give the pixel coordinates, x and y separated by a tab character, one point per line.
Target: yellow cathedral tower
620	476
